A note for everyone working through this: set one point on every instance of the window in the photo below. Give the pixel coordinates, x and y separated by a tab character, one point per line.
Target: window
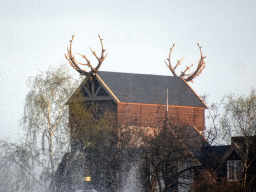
185	165
234	170
186	178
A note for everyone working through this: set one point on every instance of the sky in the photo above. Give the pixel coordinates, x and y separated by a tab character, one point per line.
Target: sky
138	35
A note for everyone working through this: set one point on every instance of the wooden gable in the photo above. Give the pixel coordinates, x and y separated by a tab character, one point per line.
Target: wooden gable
92	90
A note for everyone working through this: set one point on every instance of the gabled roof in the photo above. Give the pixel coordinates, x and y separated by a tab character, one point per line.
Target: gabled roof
233	148
150	89
217	151
209	156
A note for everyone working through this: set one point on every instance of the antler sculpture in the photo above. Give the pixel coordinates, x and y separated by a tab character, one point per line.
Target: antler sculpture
191	76
72	61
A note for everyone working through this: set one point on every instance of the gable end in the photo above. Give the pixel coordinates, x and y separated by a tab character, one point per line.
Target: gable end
92	90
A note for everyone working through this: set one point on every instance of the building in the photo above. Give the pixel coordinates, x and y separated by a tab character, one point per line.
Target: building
233	166
140	100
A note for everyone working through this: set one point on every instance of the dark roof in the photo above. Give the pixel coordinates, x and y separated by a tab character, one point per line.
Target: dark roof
219	151
142	88
211	154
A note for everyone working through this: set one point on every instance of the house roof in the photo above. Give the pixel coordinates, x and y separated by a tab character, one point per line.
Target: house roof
218	151
150	89
209	156
233	148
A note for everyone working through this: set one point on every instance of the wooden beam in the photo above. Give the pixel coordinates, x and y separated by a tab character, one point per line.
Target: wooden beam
99	98
110	93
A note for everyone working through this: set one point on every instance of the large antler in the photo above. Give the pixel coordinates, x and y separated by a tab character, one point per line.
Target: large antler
191	76
72	61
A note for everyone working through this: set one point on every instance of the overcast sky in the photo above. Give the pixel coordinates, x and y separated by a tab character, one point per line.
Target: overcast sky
34	35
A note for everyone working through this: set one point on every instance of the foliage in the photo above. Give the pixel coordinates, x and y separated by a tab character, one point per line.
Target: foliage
88	124
46	118
239	116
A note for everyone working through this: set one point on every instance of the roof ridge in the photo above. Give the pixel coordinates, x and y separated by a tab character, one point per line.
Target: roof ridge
137	74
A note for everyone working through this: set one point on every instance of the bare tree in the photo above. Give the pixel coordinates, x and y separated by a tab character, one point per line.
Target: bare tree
170	160
213	114
46	117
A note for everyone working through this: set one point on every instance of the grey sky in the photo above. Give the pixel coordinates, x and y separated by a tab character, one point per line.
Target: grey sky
138	34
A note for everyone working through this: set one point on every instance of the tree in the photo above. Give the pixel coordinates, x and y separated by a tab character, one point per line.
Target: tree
101	148
239	119
212	134
46	117
169	158
236	124
17	168
93	130
239	116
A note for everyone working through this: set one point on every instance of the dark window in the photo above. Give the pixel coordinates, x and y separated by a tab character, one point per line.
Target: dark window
234	170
